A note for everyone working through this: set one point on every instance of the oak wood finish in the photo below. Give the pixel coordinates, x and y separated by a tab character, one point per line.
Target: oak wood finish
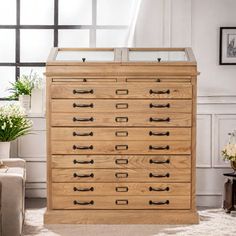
119	119
121	90
124	106
121	175
116	134
116	202
121	139
121	161
121	189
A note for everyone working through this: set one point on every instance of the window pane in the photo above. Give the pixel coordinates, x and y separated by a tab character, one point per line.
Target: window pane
37	12
7	12
112	38
35	45
73	38
7	45
7	75
39	70
27	70
113	12
75	12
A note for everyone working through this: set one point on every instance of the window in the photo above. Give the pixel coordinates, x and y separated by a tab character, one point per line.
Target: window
29	29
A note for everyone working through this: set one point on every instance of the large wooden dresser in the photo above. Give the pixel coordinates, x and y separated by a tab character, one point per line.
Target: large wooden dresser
121	136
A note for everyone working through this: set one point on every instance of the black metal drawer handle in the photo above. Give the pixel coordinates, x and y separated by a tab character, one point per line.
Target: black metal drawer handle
83	119
82	134
77	91
122	119
121	133
167	147
167	91
121	147
75	147
122	202
159	162
121	175
159	189
75	105
83	203
151	175
151	133
75	175
159	119
122	106
122	91
122	189
83	162
121	161
83	189
167	202
167	105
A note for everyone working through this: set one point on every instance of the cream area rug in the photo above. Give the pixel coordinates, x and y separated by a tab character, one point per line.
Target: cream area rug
213	222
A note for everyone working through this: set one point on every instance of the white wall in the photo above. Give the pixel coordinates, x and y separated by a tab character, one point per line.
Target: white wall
181	23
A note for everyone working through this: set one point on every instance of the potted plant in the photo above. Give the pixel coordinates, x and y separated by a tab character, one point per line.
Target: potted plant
22	89
229	151
13	124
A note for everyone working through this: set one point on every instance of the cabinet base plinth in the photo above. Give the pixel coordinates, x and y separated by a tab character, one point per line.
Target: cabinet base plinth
120	217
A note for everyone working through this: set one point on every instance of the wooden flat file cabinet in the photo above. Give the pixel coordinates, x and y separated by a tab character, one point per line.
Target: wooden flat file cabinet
121	136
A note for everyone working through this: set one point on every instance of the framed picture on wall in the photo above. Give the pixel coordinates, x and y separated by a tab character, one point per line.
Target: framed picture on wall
227	46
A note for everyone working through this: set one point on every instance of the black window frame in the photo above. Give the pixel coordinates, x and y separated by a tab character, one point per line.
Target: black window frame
55	27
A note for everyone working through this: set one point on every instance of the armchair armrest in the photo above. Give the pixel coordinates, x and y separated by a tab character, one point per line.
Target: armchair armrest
14	162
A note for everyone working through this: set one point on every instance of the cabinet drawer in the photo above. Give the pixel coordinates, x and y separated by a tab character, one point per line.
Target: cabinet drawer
121	189
115	202
120	175
120	119
124	106
121	147
121	90
90	133
120	161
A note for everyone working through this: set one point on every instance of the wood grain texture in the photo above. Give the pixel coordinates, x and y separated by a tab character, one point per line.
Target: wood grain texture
91	133
121	189
120	90
121	147
121	161
123	202
121	120
124	106
120	175
119	217
122	152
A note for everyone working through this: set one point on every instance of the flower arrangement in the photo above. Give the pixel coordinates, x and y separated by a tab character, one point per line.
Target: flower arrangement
13	122
25	84
229	151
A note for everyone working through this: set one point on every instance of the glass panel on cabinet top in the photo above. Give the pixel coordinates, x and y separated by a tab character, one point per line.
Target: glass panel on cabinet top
157	55
85	55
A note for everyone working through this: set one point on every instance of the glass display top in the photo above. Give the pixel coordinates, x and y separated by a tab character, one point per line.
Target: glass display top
122	55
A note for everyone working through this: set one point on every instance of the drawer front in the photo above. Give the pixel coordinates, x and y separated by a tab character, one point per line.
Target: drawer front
121	147
124	106
121	119
113	202
121	189
77	134
120	175
118	161
121	90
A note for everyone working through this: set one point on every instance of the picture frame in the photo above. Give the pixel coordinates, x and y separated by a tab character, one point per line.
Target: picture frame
227	55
